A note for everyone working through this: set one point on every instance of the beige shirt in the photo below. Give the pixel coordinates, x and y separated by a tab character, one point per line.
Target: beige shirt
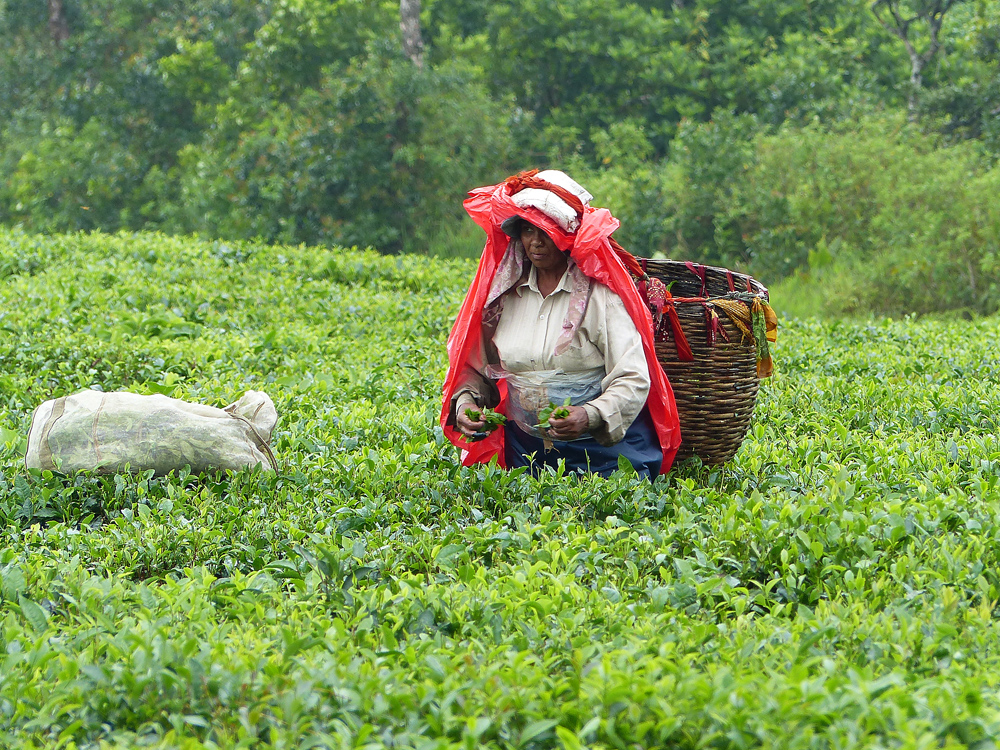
526	336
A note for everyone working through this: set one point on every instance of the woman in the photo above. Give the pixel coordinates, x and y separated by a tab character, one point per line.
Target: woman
553	315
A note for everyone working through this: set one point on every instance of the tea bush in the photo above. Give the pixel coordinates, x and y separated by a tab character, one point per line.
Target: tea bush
834	586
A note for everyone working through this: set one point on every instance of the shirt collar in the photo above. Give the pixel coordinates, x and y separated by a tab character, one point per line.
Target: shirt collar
564	284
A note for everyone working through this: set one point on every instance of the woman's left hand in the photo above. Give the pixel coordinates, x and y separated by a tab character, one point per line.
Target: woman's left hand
572	427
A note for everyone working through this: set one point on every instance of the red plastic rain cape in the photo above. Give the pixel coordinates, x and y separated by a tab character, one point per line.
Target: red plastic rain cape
590	249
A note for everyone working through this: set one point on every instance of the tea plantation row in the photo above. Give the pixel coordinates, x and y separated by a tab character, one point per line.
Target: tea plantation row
835	586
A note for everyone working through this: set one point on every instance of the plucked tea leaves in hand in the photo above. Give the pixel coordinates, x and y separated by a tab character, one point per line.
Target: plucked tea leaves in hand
552	411
491	418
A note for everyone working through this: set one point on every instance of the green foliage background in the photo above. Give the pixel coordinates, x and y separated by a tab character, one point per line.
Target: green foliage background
835	586
768	135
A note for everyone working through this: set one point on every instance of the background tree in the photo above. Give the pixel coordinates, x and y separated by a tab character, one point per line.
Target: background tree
965	89
58	27
898	17
409	24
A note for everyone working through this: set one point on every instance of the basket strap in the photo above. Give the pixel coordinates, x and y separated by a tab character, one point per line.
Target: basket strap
698	271
684	353
729	278
722	328
711	323
749	285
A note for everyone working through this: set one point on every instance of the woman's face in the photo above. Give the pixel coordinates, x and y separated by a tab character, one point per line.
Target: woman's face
541	250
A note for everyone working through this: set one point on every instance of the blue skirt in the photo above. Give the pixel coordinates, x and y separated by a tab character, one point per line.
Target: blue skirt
640	446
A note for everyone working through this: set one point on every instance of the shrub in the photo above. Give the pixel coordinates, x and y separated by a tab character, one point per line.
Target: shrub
907	224
879	216
61	177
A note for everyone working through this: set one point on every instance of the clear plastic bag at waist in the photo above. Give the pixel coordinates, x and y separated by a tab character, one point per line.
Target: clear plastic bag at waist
530	392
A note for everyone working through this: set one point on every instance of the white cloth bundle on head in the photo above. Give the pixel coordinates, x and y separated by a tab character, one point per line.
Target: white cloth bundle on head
566	182
551	204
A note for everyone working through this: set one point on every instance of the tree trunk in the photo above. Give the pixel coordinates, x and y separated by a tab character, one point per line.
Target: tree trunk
916	82
892	15
58	28
409	24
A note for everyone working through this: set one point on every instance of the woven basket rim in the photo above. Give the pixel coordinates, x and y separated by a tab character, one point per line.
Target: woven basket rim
659	265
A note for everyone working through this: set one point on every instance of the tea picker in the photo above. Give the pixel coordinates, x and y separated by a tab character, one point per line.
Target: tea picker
560	313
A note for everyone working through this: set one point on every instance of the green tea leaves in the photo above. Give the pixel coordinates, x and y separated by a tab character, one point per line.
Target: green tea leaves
12	583
448	555
492	420
34	614
536	729
554	412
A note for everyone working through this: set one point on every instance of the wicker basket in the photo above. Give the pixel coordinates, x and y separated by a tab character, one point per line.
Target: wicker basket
716	392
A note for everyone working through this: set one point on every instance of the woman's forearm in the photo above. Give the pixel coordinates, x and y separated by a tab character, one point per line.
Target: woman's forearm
626	385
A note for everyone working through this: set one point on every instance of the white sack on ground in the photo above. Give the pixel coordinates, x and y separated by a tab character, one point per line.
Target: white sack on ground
106	432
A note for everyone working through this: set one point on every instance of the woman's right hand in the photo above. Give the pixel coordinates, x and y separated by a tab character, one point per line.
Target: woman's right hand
465	425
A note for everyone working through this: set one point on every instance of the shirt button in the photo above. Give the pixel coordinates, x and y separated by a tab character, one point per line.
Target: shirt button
541	317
